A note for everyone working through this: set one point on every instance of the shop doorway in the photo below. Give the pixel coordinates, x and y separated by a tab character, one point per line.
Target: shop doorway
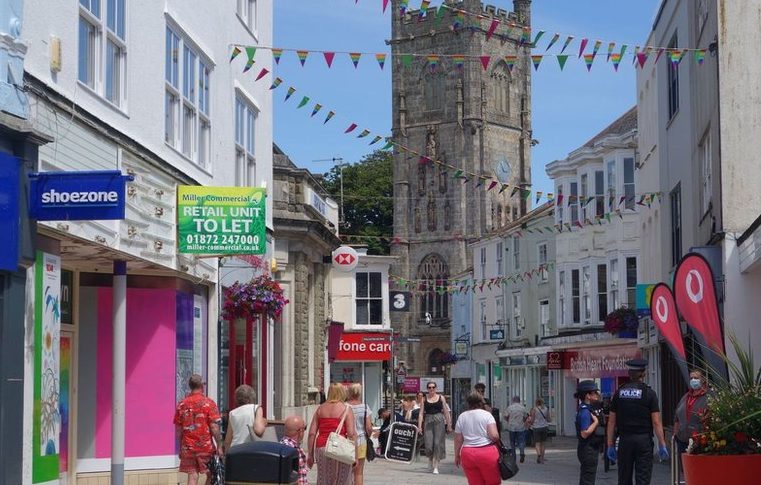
241	340
66	375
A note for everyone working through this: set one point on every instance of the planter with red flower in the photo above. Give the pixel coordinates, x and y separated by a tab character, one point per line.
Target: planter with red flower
729	448
261	295
447	358
622	322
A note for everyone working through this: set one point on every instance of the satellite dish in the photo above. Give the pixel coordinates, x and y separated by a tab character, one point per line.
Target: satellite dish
503	171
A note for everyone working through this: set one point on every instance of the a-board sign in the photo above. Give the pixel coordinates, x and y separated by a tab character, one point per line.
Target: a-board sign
402	442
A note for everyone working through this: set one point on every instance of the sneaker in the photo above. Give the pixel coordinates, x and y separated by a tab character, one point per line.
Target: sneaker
523	458
435	471
538	459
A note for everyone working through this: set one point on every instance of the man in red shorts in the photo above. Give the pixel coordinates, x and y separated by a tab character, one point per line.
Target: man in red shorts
197	419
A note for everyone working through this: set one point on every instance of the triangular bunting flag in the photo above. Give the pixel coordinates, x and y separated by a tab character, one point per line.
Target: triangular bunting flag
276	83
236	51
385	4
536	59
554	39
381	58
538	36
330	115
596	48
560	200
403	7
526	35
407	60
302	56
641	59
562	58
588	60
423	9
538	196
459	61
376	140
355	58
492	184
290	92
457	174
317	107
504	187
567	43
660	53
676	57
616	59
700	56
363	134
583	46
262	73
389	144
485	61
433	60
623	50
303	102
250	52
329	58
510	61
492	28
515	191
277	54
611	48
351	128
440	15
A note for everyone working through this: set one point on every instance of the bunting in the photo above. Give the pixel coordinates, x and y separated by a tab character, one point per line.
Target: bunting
303	102
277	54
250	53
433	61
459	61
583	46
700	56
536	60
236	50
567	43
596	48
276	83
492	28
485	62
538	36
611	48
329	56
363	134
554	39
376	140
588	60
327	118
510	61
381	58
291	90
616	60
302	55
262	73
317	107
562	58
351	128
355	58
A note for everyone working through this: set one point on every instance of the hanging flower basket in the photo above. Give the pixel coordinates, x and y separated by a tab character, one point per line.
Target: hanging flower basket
247	300
623	322
448	358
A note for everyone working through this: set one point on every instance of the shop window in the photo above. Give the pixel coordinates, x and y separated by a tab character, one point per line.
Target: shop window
369	300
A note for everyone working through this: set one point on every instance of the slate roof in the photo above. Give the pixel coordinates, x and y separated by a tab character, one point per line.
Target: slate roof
624	124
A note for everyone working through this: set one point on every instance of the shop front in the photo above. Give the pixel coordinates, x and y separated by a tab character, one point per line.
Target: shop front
606	365
360	359
526	376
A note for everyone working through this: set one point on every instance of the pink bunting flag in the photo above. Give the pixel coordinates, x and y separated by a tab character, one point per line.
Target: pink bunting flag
329	58
492	184
262	73
385	4
485	61
583	46
351	128
381	58
642	59
492	28
355	58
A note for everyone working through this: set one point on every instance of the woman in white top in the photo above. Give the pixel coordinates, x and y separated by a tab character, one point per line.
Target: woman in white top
474	439
245	419
364	425
538	419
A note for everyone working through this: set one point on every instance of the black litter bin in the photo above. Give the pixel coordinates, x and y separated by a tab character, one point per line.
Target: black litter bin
261	462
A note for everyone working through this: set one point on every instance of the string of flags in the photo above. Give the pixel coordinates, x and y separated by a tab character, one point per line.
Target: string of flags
487	182
446	286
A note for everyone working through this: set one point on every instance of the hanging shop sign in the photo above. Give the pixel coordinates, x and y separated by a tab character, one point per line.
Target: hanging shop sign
77	196
497	334
461	348
345	259
644	293
221	220
9	211
399	301
367	347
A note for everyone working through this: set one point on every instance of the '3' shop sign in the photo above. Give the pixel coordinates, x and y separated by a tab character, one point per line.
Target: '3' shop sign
221	220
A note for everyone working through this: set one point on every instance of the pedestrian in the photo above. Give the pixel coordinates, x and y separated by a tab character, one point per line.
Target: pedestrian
587	422
691	407
385	416
198	422
364	425
539	421
634	411
419	400
434	421
409	413
474	443
246	420
327	419
516	425
293	435
480	388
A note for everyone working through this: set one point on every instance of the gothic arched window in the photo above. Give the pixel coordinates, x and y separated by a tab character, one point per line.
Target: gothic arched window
434	88
434	363
433	277
501	87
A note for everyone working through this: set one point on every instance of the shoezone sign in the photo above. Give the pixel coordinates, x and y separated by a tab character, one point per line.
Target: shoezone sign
221	220
402	443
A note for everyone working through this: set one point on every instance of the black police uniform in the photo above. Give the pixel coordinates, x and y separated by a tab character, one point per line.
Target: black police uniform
634	404
587	449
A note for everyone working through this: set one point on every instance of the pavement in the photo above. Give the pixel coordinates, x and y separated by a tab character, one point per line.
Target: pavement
561	468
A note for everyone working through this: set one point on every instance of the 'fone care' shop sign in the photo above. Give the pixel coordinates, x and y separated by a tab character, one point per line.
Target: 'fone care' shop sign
221	220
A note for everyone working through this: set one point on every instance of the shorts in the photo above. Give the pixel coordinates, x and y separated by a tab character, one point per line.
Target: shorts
540	435
198	463
362	450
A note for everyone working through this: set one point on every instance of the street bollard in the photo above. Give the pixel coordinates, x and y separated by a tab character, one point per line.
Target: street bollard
261	462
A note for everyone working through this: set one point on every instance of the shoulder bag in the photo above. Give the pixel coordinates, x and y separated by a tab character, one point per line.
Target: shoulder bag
341	448
251	433
508	468
370	453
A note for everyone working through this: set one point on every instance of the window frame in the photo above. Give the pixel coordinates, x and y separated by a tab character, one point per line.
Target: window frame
630	189
584	189
245	148
500	258
586	295
602	292
612	192
576	296
516	253
544	274
100	60
482	320
672	79
559	206
675	209
599	193
516	315
706	172
561	298
614	283
544	326
369	298
482	255
631	284
573	201
244	10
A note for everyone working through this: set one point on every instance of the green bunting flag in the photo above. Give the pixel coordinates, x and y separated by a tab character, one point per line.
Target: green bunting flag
276	54
355	58
538	36
381	58
303	102
276	83
536	59
302	56
562	58
389	144
407	60
250	52
317	107
457	174
236	51
330	115
440	15
554	39
291	90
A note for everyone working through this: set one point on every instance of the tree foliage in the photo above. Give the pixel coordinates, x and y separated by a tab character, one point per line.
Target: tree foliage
368	188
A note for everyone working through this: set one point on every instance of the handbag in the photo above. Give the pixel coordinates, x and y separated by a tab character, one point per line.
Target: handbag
508	467
216	470
339	447
370	453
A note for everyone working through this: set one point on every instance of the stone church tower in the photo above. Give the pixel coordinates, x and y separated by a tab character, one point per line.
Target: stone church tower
474	119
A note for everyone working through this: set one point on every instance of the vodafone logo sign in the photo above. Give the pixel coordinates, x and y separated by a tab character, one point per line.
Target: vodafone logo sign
345	259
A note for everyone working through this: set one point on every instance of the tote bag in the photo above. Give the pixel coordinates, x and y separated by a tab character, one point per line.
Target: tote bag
508	468
339	447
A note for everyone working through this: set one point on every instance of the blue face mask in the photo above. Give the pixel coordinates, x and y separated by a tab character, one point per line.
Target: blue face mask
695	384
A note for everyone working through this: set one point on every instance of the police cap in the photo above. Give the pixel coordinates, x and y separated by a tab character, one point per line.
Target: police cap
586	386
637	364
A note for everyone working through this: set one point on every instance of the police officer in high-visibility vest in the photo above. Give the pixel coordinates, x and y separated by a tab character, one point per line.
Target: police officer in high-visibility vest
635	413
587	423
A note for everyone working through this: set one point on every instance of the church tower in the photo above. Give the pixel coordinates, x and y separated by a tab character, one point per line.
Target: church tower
474	119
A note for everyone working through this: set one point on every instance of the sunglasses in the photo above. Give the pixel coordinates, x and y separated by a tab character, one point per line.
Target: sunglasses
431	387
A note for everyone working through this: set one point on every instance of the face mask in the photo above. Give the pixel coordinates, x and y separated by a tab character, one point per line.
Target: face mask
695	384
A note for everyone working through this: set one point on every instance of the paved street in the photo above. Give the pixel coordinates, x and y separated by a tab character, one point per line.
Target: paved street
561	468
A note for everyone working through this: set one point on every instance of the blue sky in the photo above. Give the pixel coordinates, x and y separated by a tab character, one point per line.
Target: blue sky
569	107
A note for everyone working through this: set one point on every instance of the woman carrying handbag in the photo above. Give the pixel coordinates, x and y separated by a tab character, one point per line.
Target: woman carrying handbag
333	437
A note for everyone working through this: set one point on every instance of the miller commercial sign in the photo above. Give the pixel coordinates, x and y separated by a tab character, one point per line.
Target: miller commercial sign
77	196
221	220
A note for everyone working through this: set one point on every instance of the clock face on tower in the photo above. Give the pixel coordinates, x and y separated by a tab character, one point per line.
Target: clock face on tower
503	171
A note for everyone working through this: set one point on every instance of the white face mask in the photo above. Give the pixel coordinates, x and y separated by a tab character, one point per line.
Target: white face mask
695	384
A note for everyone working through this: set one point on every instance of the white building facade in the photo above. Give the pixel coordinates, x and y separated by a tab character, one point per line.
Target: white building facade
144	88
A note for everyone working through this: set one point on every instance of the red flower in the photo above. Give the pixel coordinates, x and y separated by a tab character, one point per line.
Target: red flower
741	437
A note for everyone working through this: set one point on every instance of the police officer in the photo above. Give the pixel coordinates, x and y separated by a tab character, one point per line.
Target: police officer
634	411
587	424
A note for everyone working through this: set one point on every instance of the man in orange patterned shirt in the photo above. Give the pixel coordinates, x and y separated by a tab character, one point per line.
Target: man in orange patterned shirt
197	419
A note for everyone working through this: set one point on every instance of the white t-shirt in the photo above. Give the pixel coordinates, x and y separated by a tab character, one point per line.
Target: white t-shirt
359	411
472	425
540	417
240	419
516	414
